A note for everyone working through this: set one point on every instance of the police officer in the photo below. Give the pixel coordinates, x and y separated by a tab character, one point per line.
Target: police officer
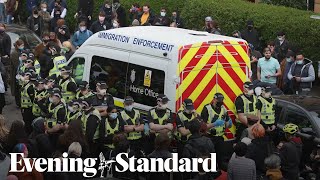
90	122
245	105
18	74
27	97
40	94
74	111
217	119
67	83
36	63
266	105
160	118
56	109
58	61
102	99
134	124
110	126
51	81
83	90
183	120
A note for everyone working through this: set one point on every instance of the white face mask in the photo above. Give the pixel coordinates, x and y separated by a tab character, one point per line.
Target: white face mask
163	14
83	28
44	9
289	60
113	115
35	16
280	38
300	62
115	25
128	108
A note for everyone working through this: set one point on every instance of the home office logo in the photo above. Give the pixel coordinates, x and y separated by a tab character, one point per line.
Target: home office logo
121	163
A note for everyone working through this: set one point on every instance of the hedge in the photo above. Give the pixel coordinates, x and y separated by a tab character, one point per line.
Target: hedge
232	15
301	31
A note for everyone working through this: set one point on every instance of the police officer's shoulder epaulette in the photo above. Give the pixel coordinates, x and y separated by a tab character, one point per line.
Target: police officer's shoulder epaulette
180	111
168	110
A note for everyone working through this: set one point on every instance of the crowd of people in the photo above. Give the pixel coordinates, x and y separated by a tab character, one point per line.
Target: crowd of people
62	114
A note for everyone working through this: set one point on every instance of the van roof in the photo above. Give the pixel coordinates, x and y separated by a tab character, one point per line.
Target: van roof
175	36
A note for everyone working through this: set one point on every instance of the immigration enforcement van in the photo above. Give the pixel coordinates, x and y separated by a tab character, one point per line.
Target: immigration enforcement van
146	61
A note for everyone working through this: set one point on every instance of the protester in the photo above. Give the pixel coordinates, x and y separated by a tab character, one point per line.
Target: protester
281	46
268	68
146	17
39	49
273	165
285	84
135	10
62	31
10	10
52	3
162	19
59	12
290	152
101	24
2	97
240	167
261	144
67	50
17	134
2	11
110	13
177	19
81	35
211	26
251	35
254	57
301	75
84	11
53	38
121	13
45	16
35	22
35	175
271	45
5	45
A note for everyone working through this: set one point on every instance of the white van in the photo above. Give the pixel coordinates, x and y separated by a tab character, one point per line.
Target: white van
146	61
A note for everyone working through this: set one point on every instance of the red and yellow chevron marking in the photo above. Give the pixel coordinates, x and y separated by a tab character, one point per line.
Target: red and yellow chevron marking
205	69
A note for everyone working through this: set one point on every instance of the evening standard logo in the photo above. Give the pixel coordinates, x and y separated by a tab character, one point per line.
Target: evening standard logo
121	163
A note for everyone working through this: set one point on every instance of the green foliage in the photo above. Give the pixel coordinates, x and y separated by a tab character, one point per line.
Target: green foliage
298	4
301	30
232	15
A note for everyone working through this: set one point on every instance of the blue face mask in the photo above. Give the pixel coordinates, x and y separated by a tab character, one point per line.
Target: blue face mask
289	60
300	62
113	115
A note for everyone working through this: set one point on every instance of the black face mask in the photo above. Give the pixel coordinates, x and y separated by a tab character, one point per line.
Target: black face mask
219	104
250	27
45	40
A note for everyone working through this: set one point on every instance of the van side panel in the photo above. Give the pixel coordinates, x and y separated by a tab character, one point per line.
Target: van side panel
205	69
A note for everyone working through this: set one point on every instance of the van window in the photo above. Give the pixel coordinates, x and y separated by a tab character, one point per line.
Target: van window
111	71
77	66
144	84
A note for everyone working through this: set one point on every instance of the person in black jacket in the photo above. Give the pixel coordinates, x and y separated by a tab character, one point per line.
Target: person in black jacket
62	31
162	19
251	35
261	144
101	24
121	13
35	22
281	46
177	19
197	146
84	11
108	10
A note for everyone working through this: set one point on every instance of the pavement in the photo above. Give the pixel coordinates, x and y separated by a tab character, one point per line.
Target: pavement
11	111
